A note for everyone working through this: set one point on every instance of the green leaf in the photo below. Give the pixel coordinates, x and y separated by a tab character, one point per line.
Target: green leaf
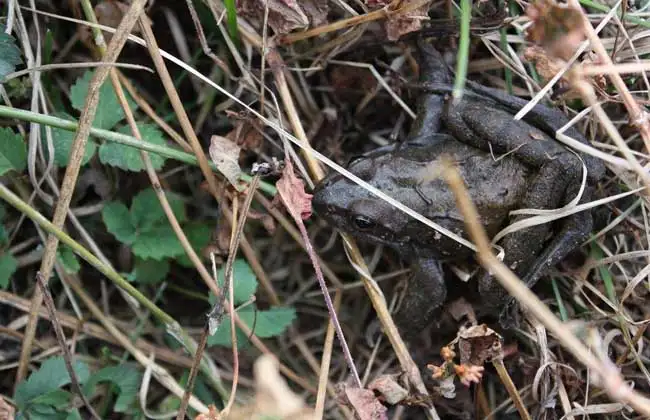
157	242
109	111
269	323
147	212
62	142
57	398
13	152
68	259
128	158
9	53
149	271
199	235
8	266
244	281
126	377
51	375
118	222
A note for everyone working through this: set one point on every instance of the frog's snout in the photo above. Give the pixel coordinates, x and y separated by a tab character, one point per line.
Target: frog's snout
328	197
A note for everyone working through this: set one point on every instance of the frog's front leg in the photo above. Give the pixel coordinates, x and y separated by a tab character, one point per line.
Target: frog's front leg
425	294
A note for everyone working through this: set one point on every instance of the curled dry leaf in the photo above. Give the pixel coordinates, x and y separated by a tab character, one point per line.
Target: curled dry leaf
247	132
225	155
389	388
365	403
291	190
285	15
399	24
479	344
558	28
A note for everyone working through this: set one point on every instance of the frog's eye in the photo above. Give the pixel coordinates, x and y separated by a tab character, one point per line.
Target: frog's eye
363	223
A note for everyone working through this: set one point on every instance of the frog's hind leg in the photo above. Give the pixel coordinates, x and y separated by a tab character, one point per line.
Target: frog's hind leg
575	229
433	71
525	250
424	296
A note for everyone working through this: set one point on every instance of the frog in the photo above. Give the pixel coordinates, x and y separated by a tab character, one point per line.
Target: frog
506	164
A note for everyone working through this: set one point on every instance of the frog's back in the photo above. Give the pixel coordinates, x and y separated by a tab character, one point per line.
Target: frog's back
497	185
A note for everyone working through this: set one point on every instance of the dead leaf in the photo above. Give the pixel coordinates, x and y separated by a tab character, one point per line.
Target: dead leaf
558	28
7	411
285	15
225	155
273	397
365	403
247	132
399	24
389	388
291	190
479	344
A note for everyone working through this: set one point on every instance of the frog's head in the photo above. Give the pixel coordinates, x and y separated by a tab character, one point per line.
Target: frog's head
353	209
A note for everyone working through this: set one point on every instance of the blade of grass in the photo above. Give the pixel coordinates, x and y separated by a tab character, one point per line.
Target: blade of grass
130	141
463	49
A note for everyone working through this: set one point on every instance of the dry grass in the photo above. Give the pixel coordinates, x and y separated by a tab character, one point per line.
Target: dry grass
319	97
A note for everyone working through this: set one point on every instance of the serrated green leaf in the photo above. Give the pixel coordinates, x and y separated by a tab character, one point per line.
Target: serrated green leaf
68	259
269	323
8	266
128	158
199	236
118	222
157	242
51	375
62	143
244	281
9	54
146	211
13	151
126	377
149	271
109	111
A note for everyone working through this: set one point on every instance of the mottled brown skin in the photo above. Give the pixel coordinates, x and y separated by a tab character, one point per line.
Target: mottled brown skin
506	165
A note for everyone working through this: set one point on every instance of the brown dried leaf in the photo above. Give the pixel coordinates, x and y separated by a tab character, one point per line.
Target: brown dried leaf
399	24
365	404
389	388
225	155
285	15
479	344
558	28
247	132
291	190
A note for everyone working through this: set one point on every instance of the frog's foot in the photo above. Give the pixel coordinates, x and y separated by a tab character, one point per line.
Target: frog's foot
425	294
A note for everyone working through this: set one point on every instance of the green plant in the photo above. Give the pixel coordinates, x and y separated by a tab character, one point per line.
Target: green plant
264	323
42	394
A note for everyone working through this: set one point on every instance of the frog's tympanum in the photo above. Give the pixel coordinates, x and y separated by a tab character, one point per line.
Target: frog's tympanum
506	165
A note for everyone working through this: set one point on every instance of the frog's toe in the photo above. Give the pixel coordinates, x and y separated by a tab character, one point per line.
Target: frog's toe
510	316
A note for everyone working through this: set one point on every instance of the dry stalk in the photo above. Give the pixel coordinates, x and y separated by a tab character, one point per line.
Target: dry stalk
511	388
